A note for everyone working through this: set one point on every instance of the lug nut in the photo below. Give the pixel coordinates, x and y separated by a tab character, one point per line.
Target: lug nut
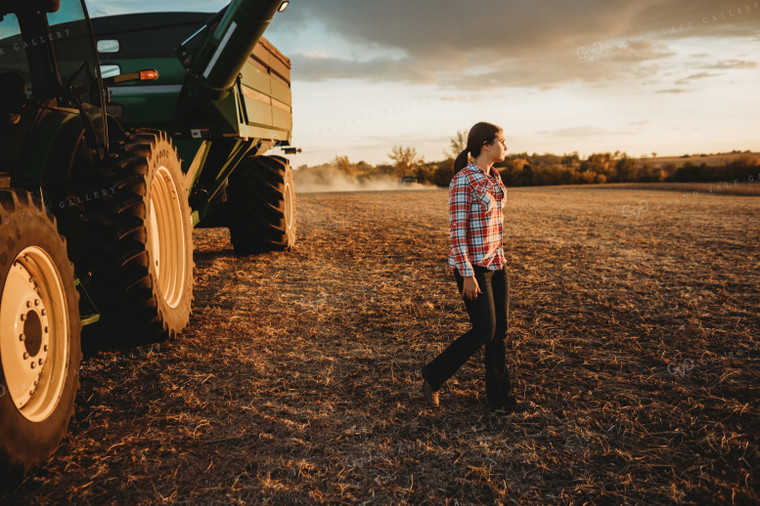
23	317
34	364
46	330
43	312
28	303
36	302
40	361
26	355
45	348
22	337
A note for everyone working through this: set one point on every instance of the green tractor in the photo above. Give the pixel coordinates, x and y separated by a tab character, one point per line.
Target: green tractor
118	136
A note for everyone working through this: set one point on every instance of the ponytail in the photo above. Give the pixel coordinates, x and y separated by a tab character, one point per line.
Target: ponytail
461	161
480	134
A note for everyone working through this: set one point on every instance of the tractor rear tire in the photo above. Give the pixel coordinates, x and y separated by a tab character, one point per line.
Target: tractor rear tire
40	333
142	251
261	205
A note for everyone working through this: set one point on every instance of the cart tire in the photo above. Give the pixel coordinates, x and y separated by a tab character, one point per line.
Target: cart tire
262	205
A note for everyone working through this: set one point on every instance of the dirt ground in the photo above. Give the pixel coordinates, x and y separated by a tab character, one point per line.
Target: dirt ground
635	328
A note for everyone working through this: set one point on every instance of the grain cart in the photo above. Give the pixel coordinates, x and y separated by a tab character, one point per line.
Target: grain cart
99	197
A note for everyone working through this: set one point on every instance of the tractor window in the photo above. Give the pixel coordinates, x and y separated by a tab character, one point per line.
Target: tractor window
9	26
69	34
12	54
78	64
70	10
74	48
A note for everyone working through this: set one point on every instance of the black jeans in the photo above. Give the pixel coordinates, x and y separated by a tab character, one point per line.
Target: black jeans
489	316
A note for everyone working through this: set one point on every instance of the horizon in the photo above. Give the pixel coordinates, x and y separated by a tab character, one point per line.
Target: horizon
581	156
672	77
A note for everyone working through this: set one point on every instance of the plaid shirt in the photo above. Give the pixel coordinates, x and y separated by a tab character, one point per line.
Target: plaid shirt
475	208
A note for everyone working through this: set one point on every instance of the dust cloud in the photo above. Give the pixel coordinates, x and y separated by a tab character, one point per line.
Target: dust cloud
330	179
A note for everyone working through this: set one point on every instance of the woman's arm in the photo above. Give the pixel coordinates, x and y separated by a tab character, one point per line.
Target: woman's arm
503	188
459	211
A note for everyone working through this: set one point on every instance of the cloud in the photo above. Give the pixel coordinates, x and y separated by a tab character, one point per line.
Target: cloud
112	7
469	97
732	64
548	70
584	131
320	67
440	29
486	44
701	75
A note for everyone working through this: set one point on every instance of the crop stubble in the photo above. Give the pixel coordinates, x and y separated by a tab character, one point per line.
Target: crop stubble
298	378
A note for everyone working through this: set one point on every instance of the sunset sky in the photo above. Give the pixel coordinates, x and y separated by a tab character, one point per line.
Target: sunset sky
670	77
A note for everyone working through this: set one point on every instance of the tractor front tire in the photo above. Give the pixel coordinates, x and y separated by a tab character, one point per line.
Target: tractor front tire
261	205
39	336
142	251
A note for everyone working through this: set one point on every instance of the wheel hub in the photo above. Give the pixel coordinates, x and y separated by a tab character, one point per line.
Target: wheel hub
167	237
32	290
289	206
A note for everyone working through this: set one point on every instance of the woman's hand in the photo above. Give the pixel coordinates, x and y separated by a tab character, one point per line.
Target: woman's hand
471	290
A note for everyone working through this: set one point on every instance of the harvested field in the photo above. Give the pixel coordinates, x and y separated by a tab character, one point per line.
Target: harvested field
298	379
686	190
710	160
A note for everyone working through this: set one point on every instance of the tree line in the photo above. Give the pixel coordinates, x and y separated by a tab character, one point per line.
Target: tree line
523	169
526	170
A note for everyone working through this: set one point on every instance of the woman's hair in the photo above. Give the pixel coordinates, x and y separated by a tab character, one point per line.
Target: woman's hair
480	134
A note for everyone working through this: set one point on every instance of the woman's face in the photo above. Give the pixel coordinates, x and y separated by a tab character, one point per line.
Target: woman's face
497	150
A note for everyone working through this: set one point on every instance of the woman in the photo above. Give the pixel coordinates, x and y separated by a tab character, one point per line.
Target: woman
476	198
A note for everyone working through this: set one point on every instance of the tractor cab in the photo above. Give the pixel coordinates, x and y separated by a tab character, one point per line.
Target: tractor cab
49	77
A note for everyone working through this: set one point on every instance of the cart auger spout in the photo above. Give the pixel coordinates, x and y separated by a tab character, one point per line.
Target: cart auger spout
230	72
224	52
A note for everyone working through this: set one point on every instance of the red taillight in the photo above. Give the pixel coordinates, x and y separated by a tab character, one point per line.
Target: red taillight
142	75
148	75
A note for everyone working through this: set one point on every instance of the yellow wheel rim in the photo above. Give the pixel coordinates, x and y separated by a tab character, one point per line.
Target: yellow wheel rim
34	334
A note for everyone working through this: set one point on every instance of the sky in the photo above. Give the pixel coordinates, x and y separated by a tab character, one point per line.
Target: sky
646	76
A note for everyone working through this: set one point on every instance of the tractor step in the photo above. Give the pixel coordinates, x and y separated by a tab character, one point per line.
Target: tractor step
88	313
